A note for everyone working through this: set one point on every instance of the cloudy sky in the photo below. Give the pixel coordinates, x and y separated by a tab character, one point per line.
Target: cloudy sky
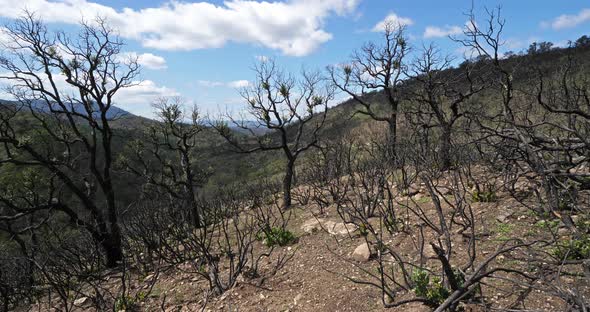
204	50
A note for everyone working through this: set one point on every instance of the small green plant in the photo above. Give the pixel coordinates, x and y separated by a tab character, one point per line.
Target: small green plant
125	303
276	236
544	224
583	224
421	280
504	230
423	200
393	224
431	289
574	249
363	230
488	196
140	296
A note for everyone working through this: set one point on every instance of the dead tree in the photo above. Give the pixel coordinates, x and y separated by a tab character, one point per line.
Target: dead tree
377	67
75	119
176	137
237	217
539	138
293	110
441	95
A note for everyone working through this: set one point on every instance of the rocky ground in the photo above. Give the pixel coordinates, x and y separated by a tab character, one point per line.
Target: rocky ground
327	253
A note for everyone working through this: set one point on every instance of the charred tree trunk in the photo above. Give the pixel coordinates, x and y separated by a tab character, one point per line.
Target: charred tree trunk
444	153
112	248
287	182
392	139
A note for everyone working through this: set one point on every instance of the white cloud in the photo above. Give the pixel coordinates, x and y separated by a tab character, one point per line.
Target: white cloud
143	93
215	84
519	44
438	32
239	84
136	99
295	27
394	19
569	21
152	61
262	58
210	84
147	60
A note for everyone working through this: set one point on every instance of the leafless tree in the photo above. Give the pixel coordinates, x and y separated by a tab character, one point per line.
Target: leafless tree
176	135
377	67
224	250
293	110
441	95
67	84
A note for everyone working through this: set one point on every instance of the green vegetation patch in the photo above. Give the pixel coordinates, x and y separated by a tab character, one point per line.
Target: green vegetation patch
276	236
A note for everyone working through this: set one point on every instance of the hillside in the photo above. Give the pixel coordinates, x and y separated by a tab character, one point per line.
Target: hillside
327	255
170	215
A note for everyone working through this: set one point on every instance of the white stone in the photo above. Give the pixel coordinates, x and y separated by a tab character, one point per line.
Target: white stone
339	228
83	302
362	253
312	225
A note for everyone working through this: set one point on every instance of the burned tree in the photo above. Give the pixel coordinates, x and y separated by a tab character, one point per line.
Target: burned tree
377	67
440	95
166	157
66	87
293	110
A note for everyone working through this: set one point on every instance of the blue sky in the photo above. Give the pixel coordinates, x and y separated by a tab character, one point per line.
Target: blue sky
204	50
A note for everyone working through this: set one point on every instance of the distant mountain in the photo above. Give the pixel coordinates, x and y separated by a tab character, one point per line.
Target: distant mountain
41	106
251	124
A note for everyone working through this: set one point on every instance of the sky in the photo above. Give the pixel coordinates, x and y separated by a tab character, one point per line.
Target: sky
204	51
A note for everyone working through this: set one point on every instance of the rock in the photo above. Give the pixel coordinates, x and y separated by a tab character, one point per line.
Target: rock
334	228
339	228
429	252
562	232
82	302
149	278
503	216
312	225
297	298
576	219
362	253
448	191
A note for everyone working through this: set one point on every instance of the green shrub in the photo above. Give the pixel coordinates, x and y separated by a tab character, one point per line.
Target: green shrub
276	236
125	303
431	289
488	196
421	280
363	230
574	249
544	224
504	230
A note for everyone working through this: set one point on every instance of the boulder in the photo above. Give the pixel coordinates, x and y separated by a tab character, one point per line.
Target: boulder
340	228
334	228
503	216
83	302
429	252
312	225
362	253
